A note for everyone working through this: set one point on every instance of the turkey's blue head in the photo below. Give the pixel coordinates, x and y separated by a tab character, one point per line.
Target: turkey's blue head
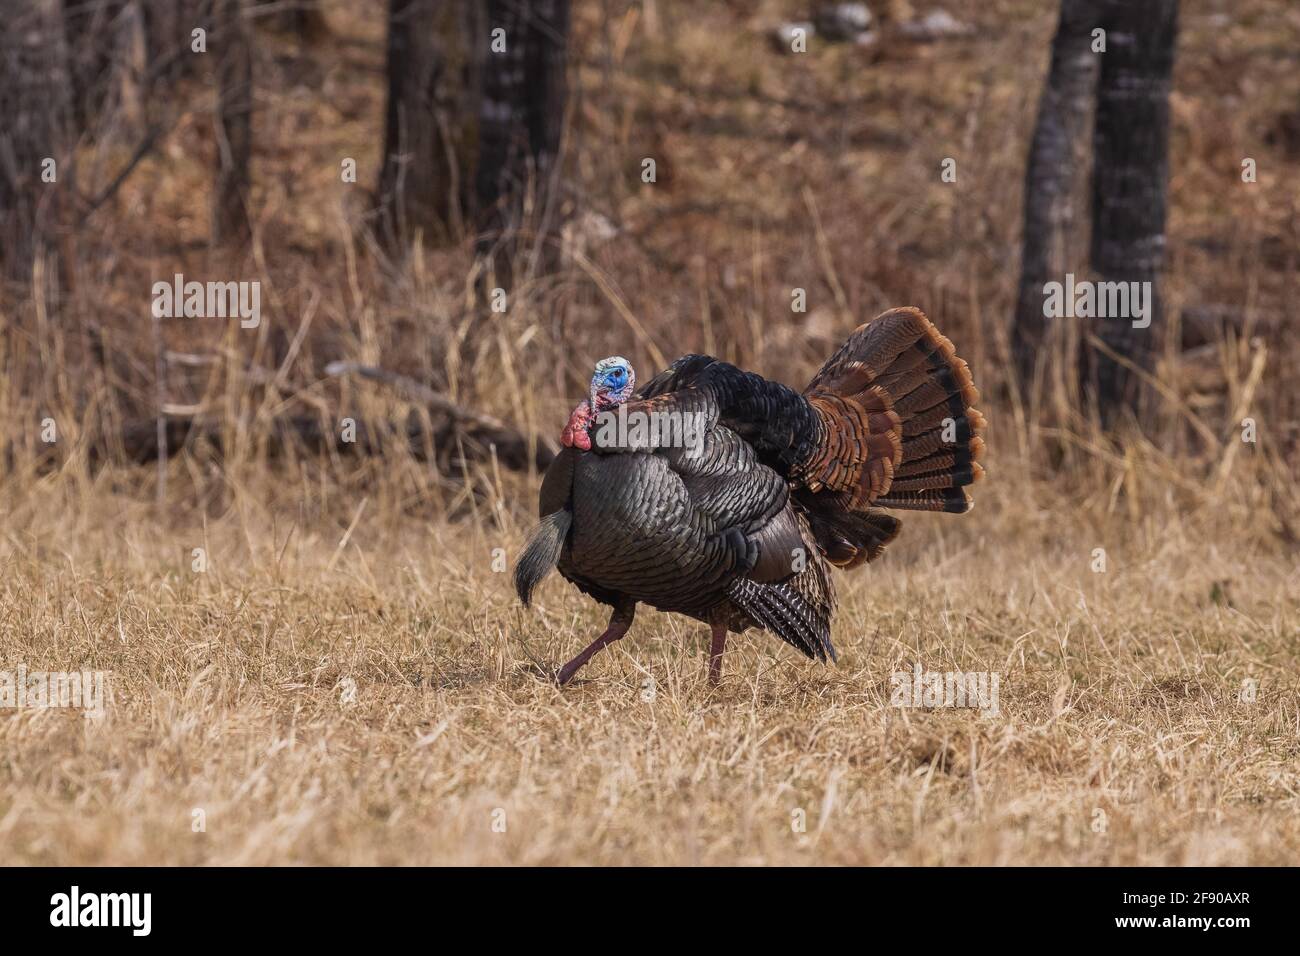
613	383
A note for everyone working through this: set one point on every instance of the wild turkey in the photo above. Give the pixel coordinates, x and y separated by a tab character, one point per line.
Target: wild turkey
740	535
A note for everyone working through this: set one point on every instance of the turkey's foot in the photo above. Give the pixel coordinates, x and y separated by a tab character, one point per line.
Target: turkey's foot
619	622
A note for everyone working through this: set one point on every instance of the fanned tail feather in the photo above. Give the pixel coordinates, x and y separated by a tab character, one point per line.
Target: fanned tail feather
899	425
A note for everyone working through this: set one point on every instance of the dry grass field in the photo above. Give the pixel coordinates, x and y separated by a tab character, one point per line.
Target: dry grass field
350	679
376	698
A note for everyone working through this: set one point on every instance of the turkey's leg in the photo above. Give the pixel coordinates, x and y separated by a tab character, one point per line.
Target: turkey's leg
619	622
715	652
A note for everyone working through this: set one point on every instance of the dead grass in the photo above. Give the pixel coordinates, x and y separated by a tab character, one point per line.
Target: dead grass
1123	735
1120	702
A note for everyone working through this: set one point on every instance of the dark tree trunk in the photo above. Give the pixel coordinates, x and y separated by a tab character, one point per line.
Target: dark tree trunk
415	180
132	65
34	128
1055	181
305	19
167	26
522	114
90	36
234	116
1130	171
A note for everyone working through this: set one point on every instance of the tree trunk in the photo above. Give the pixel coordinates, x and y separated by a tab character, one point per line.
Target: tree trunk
88	27
1130	171
521	118
35	139
167	36
132	67
234	117
415	181
1055	183
305	19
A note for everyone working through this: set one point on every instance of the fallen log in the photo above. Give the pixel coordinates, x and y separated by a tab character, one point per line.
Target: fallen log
440	430
142	441
1207	324
482	427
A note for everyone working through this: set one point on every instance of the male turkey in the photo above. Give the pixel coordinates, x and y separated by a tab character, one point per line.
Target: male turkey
737	529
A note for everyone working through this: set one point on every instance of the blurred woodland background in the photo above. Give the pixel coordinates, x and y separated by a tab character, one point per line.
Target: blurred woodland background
452	198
